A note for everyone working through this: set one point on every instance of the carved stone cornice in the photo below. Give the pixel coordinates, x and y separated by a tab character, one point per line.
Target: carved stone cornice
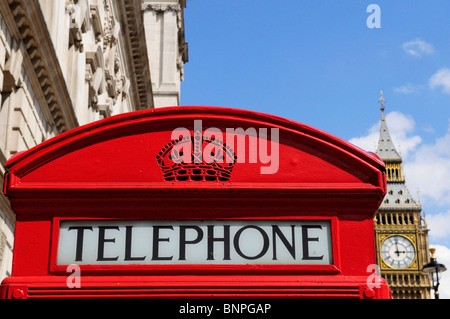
140	87
161	7
28	25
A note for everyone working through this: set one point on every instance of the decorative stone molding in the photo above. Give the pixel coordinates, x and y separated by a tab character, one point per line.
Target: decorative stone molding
78	15
96	21
2	245
13	67
158	7
180	66
94	72
29	26
137	86
105	106
111	28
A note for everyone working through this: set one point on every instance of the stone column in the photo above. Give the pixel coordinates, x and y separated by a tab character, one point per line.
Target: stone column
163	25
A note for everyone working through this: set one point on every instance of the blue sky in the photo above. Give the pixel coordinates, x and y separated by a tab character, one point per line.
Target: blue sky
317	62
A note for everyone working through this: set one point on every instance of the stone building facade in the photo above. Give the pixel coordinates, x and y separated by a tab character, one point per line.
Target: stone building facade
66	63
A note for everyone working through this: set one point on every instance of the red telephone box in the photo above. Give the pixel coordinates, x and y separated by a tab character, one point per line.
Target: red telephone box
194	202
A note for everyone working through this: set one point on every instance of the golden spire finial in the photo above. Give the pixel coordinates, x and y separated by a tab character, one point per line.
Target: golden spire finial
382	100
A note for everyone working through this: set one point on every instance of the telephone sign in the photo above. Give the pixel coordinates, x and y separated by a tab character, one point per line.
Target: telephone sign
194	242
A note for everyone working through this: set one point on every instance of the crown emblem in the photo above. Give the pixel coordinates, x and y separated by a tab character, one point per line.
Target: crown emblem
196	158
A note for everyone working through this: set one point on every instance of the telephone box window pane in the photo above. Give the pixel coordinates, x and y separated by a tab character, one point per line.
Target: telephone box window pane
236	242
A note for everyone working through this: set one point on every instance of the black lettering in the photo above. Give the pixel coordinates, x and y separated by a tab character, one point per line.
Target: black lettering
128	238
101	243
290	247
225	239
80	238
306	240
265	245
183	241
156	240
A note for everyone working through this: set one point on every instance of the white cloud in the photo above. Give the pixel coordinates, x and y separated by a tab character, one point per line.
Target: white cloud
418	48
429	170
441	79
408	88
426	166
368	142
400	126
443	257
438	225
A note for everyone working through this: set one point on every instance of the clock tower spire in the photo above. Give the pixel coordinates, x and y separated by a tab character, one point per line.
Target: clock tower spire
386	149
401	236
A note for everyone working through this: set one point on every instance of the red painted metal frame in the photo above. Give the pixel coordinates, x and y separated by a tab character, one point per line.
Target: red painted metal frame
301	287
108	170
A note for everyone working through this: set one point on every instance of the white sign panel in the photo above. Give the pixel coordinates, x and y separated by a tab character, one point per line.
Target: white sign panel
194	242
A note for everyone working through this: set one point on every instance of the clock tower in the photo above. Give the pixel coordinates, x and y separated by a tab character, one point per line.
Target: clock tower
401	233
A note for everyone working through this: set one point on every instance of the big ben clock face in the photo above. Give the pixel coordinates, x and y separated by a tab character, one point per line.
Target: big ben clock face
398	252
